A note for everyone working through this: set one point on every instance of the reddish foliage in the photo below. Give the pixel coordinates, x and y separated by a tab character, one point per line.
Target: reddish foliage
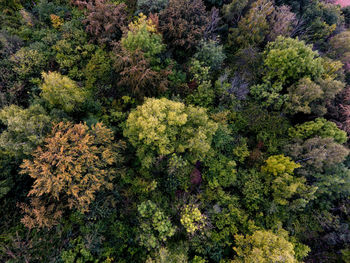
192	85
256	156
196	177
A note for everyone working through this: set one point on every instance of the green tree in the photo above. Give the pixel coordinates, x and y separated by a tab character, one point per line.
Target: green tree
270	95
73	51
340	48
161	127
287	60
254	27
279	171
79	253
333	184
204	94
25	129
296	79
151	6
61	92
176	254
301	96
143	35
28	62
155	226
321	20
319	127
99	71
211	54
234	10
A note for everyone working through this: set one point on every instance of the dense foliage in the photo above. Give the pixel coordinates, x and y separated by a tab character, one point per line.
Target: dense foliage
168	131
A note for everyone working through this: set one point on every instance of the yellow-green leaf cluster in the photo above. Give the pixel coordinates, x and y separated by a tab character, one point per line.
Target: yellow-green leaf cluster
61	92
264	247
192	219
284	185
143	35
162	127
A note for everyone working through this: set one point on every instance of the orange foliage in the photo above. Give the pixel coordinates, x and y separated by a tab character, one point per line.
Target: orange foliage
74	164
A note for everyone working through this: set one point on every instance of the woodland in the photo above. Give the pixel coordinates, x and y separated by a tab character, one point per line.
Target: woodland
174	131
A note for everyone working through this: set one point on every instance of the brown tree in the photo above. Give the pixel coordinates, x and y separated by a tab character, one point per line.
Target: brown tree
104	21
339	110
283	23
316	154
137	74
69	169
183	23
340	48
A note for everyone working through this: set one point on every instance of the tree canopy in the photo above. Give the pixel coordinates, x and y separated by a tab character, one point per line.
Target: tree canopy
174	131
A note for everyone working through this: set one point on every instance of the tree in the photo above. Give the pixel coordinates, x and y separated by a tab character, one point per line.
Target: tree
192	219
72	52
99	72
104	21
270	95
339	110
283	23
340	48
234	10
333	184
138	76
346	13
155	226
174	254
320	20
301	95
61	92
284	186
253	28
319	127
292	66
316	154
151	6
264	246
204	95
183	23
287	60
28	62
161	127
143	36
211	54
270	129
25	129
137	59
71	167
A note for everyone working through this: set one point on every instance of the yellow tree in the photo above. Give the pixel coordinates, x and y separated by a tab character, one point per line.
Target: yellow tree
263	247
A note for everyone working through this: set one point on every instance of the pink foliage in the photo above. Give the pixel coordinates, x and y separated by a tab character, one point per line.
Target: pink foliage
343	3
